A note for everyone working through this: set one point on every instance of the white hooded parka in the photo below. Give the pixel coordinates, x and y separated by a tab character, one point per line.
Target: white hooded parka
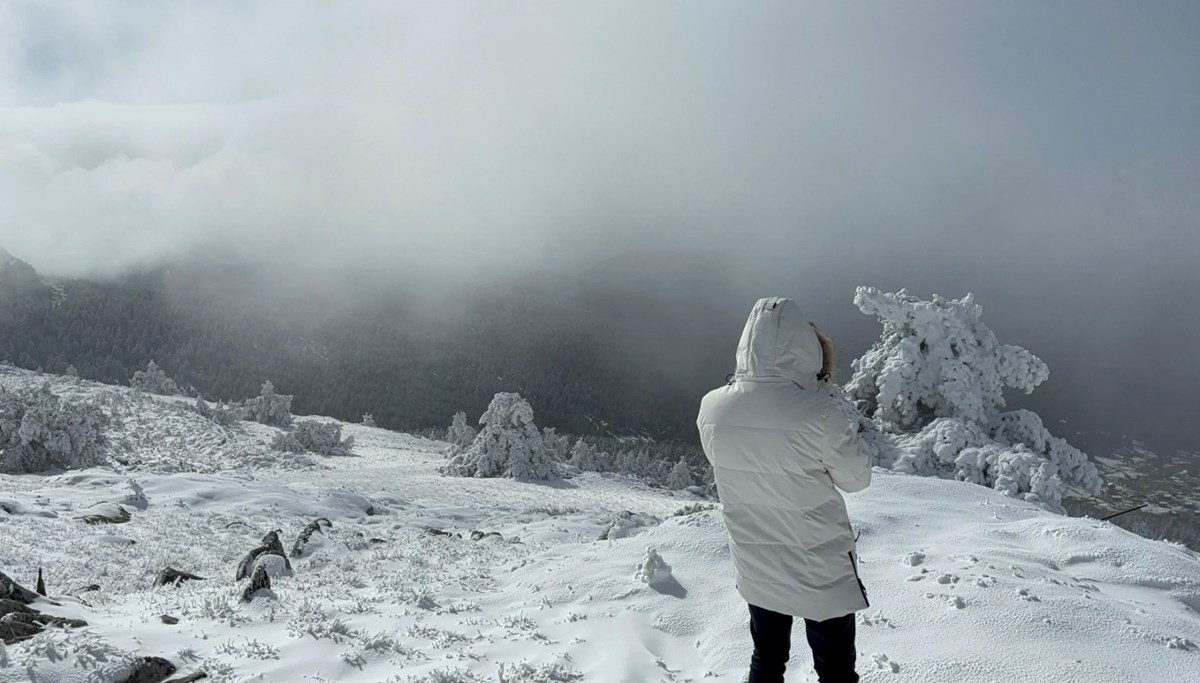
780	442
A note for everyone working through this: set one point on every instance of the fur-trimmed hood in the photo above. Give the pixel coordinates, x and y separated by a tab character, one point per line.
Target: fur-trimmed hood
779	343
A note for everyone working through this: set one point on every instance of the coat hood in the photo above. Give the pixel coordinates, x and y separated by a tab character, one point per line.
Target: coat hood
779	342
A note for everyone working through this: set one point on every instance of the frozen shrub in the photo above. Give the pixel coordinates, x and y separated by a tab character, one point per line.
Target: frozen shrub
368	420
931	389
541	673
153	380
40	431
626	524
461	434
270	408
508	445
324	438
286	442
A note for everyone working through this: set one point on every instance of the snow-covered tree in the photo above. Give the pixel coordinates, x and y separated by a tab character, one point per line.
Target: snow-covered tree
71	371
41	431
153	380
557	445
680	476
461	434
933	387
508	444
368	420
584	457
270	408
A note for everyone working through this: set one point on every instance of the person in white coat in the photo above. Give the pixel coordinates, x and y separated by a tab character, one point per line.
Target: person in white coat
781	444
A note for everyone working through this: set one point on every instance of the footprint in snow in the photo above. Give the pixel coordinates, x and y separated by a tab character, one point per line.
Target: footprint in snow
954	601
1182	644
913	559
882	663
946	579
876	619
1026	595
918	577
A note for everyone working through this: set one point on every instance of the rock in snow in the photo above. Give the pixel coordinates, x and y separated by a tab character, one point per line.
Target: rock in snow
171	576
260	580
316	526
12	590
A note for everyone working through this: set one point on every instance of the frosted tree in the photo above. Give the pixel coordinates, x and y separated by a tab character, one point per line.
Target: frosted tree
584	457
934	384
557	445
153	380
270	408
368	420
461	434
680	476
40	431
508	445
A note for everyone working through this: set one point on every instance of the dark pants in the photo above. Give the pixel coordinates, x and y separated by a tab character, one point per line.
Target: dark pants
832	643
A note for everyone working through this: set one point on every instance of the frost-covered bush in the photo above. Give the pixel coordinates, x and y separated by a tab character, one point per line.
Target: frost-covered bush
540	673
461	434
368	420
625	524
316	437
41	431
932	387
153	380
270	408
508	445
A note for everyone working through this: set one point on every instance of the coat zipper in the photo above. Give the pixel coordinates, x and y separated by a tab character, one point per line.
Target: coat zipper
861	588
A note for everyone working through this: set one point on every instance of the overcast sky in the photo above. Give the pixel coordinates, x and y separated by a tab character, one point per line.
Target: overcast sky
1043	154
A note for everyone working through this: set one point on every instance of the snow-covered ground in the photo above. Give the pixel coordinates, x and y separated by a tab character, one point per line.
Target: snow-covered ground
965	584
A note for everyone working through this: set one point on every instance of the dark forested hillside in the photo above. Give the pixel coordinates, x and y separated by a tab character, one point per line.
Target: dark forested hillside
587	364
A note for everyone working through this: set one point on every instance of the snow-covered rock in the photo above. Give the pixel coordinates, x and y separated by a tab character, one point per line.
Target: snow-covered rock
653	569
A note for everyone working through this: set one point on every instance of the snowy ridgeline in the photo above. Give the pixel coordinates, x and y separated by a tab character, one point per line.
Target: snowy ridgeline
929	396
406	575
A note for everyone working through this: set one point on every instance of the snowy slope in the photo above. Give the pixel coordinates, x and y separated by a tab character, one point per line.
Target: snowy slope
965	584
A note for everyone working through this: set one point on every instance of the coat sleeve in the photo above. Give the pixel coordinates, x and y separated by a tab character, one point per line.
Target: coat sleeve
846	458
